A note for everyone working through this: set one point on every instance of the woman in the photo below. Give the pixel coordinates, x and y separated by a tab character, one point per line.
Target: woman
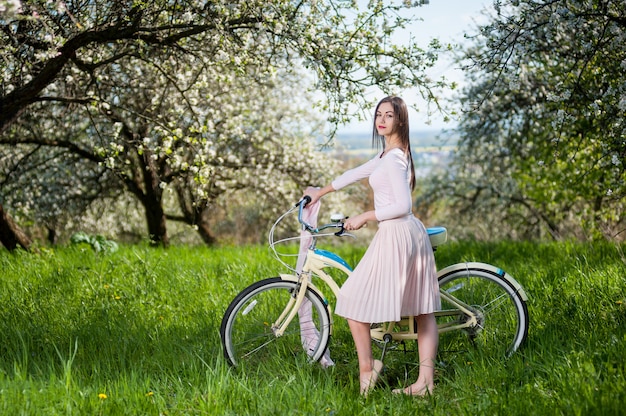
397	276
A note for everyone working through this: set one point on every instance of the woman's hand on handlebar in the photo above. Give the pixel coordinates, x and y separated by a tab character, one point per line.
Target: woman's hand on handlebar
357	222
314	193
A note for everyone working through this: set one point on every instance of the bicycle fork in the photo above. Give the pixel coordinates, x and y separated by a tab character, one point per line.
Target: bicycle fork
290	311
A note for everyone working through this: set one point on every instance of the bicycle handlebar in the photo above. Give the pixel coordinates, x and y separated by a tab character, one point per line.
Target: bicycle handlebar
308	227
315	231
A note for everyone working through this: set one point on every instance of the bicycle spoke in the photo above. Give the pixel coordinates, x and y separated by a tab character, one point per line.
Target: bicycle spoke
257	348
246	329
501	301
496	329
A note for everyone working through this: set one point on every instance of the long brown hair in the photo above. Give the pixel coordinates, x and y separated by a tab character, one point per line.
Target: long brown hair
401	127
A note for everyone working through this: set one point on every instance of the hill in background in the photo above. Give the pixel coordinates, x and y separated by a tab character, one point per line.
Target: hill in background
432	149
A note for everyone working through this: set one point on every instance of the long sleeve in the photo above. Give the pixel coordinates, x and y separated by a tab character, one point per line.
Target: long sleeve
389	179
353	175
392	192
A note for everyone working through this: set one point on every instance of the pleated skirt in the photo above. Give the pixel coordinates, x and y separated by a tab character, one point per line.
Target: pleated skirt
396	277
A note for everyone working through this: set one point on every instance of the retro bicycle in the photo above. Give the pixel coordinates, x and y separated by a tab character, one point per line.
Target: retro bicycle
483	307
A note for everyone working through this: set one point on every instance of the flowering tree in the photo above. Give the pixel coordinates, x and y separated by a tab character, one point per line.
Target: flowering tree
54	186
543	140
187	95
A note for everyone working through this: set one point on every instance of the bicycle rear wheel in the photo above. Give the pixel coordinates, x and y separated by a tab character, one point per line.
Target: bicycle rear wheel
500	310
247	336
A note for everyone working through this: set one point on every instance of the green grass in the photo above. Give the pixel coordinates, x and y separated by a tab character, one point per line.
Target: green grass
136	332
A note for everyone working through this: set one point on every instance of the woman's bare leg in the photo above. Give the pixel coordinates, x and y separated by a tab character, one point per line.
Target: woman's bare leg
427	342
368	367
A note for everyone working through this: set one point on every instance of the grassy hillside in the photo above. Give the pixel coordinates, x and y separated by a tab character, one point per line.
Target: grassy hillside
137	332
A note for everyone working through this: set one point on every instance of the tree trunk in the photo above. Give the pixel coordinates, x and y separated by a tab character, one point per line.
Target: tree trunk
143	182
205	231
10	233
52	236
157	225
195	212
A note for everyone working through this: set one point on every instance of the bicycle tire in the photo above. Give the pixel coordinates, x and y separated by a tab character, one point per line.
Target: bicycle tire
246	333
502	311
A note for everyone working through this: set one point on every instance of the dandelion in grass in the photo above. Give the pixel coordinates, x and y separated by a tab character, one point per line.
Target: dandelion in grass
149	394
102	396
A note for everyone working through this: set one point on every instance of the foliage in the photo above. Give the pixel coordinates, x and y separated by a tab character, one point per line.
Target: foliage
51	187
202	98
99	243
137	332
543	141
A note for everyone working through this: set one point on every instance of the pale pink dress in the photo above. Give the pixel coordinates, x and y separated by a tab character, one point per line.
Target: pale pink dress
397	275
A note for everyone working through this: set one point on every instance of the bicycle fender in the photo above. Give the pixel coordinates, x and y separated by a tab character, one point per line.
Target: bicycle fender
488	267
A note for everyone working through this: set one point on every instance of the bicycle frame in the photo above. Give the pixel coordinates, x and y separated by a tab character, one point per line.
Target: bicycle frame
317	260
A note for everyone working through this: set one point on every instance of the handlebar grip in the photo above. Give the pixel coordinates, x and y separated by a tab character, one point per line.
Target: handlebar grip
304	201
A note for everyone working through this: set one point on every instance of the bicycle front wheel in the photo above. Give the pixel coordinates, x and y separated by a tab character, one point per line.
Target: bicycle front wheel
248	338
497	310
